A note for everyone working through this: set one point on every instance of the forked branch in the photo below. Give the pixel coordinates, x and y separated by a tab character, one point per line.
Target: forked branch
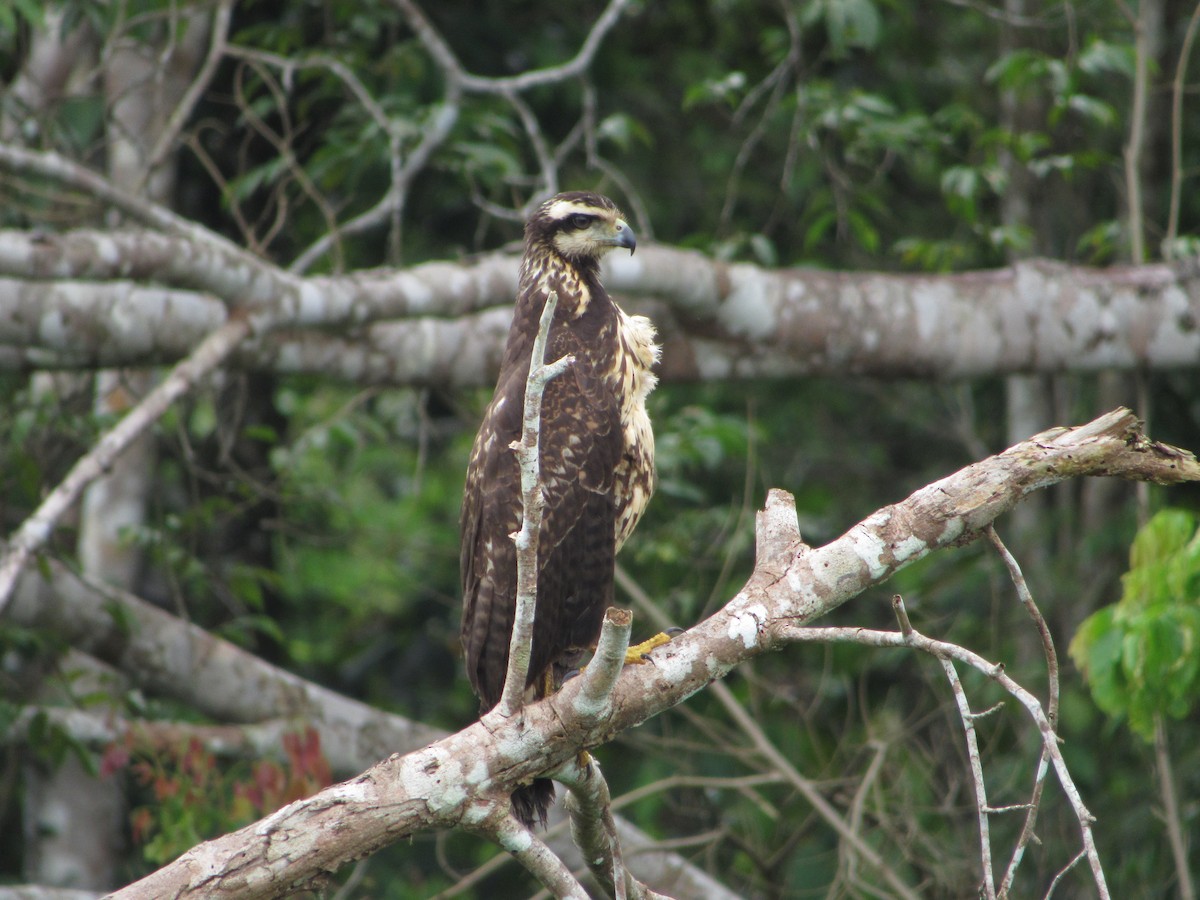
454	782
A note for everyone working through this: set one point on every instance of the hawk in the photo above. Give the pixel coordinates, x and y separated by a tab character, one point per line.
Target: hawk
597	460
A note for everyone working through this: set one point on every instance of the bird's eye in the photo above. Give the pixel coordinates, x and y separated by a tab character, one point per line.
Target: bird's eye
579	220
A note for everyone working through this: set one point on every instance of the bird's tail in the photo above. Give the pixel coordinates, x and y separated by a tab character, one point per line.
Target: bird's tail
531	803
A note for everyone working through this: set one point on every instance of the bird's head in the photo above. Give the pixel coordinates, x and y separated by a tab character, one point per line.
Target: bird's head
579	226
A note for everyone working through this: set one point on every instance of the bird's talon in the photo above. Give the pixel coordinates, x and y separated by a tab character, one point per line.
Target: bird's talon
639	653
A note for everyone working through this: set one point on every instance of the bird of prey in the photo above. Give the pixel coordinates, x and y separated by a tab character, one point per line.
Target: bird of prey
597	460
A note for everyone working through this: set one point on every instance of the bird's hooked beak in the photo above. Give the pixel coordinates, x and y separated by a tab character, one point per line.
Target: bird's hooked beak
625	237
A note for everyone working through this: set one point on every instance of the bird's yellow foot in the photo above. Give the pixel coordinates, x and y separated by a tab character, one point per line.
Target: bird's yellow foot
637	654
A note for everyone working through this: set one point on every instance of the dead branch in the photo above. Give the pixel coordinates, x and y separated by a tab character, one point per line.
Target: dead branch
456	781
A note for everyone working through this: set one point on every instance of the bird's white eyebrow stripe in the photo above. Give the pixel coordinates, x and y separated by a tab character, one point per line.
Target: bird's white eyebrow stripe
560	209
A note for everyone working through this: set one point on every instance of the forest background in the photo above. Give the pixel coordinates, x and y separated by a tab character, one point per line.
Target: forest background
301	502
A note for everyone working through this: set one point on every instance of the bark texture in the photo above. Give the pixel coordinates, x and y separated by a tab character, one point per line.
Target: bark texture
463	779
86	299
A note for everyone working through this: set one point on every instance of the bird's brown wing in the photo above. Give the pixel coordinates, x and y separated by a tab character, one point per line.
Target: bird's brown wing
490	513
580	447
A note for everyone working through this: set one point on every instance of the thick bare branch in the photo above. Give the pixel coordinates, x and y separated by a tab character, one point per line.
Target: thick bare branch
723	321
168	657
456	781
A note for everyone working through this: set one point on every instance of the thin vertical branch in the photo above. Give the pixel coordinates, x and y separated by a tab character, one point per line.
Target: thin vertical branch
1177	90
1176	834
532	504
973	758
200	84
1043	767
976	763
1137	132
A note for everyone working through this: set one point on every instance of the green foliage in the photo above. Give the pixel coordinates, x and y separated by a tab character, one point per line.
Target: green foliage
849	24
18	12
1140	655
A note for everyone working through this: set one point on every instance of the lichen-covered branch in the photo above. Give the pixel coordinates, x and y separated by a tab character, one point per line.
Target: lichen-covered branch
718	320
455	781
168	657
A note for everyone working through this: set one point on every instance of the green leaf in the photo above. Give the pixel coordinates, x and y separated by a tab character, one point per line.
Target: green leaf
1016	70
1139	655
848	23
1165	535
726	89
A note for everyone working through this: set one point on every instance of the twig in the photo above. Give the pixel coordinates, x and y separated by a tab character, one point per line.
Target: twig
1039	779
531	852
34	533
1176	834
944	650
858	804
532	503
200	83
807	789
452	69
404	168
976	764
1062	873
981	804
1177	89
1137	135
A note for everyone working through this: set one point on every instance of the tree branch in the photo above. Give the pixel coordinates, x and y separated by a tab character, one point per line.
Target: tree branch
453	70
1039	779
723	321
531	852
459	779
168	657
946	652
199	84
